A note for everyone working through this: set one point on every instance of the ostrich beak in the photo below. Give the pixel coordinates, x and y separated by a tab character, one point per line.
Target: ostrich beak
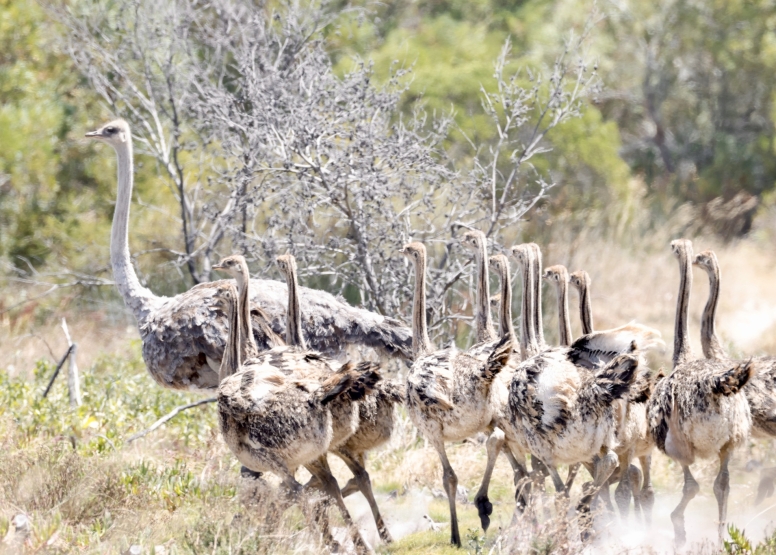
217	267
696	261
92	134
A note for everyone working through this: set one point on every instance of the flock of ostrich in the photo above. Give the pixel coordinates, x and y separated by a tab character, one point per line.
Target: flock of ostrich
285	402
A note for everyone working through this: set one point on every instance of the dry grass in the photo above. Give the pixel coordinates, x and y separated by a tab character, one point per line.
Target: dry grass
178	490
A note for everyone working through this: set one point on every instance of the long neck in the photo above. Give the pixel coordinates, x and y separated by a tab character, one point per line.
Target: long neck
527	336
537	303
712	348
420	343
249	348
484	323
294	335
136	297
585	309
682	350
505	313
231	360
564	323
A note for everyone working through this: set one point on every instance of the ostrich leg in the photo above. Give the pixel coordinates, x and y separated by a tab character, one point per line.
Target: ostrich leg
689	491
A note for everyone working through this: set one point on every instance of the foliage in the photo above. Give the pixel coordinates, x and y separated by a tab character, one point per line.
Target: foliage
740	544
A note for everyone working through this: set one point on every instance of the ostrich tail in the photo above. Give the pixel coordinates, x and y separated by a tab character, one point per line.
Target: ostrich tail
365	377
616	378
392	391
597	349
498	358
642	386
732	381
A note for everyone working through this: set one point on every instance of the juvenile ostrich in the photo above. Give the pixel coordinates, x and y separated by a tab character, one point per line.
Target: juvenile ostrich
633	438
184	336
376	417
276	423
448	391
499	396
358	427
564	410
699	410
761	389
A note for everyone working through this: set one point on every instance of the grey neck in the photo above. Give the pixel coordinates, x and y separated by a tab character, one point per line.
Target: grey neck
484	323
564	323
136	297
231	360
421	344
682	349
585	310
249	349
505	312
294	335
712	347
537	302
528	344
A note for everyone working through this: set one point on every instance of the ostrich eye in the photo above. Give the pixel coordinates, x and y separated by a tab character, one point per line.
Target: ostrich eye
110	130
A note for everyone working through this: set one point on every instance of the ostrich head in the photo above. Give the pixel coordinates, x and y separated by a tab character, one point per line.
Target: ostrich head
706	260
579	279
499	263
287	264
116	133
474	240
681	247
556	274
522	254
235	266
415	251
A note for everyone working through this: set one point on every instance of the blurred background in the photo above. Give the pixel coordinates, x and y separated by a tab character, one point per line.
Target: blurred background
339	131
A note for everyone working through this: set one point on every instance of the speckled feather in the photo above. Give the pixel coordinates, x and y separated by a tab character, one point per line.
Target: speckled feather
184	338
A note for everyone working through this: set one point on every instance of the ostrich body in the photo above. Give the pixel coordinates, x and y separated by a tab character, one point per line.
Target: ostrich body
633	437
376	416
761	389
699	411
564	410
275	423
448	391
184	336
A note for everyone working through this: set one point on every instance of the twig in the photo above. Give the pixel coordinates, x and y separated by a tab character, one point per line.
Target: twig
169	416
56	372
73	381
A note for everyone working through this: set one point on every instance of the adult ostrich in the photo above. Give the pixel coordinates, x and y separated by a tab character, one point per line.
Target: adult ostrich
184	336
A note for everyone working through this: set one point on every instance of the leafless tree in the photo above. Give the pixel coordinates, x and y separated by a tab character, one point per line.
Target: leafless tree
293	156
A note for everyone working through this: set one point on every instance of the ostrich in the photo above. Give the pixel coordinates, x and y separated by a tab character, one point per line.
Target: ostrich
559	277
564	410
699	410
184	336
760	389
276	423
376	416
475	240
448	391
634	439
357	429
499	393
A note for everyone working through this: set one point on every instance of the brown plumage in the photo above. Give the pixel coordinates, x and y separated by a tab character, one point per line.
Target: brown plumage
184	336
448	391
565	411
275	423
760	391
345	387
633	437
698	411
376	414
